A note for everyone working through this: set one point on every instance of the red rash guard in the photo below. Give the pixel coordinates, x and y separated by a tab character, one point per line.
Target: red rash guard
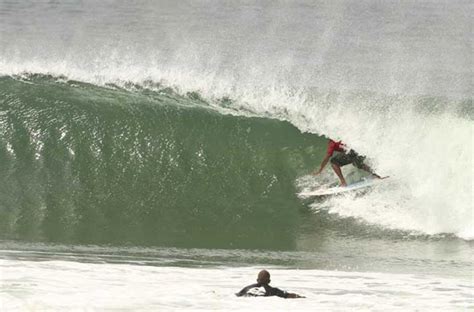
335	146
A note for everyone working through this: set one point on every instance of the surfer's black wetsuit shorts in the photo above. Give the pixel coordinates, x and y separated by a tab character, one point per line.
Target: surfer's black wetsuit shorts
342	159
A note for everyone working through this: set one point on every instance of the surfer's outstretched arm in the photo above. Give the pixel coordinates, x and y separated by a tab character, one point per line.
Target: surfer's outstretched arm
323	164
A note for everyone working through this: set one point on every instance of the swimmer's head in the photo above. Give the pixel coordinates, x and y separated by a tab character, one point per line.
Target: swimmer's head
263	277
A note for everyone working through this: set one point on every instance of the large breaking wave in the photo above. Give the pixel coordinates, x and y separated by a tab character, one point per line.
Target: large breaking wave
91	164
395	89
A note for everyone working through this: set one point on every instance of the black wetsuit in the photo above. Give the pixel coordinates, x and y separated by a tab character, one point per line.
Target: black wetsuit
257	290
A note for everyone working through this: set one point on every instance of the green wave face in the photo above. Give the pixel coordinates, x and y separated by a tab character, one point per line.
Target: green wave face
85	164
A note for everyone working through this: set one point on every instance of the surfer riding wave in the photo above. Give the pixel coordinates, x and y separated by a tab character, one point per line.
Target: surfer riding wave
342	158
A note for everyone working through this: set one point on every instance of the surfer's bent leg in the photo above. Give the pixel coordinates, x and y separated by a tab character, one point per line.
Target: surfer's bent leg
337	170
339	160
358	161
369	170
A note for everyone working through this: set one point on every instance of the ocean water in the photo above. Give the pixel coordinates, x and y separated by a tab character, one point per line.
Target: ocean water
151	153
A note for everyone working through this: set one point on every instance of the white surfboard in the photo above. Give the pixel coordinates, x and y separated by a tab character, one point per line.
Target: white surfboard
324	191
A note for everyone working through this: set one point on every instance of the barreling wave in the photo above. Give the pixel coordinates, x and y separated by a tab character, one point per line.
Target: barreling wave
87	161
89	164
145	164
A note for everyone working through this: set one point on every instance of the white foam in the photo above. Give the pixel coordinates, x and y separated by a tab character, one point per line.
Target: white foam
72	286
